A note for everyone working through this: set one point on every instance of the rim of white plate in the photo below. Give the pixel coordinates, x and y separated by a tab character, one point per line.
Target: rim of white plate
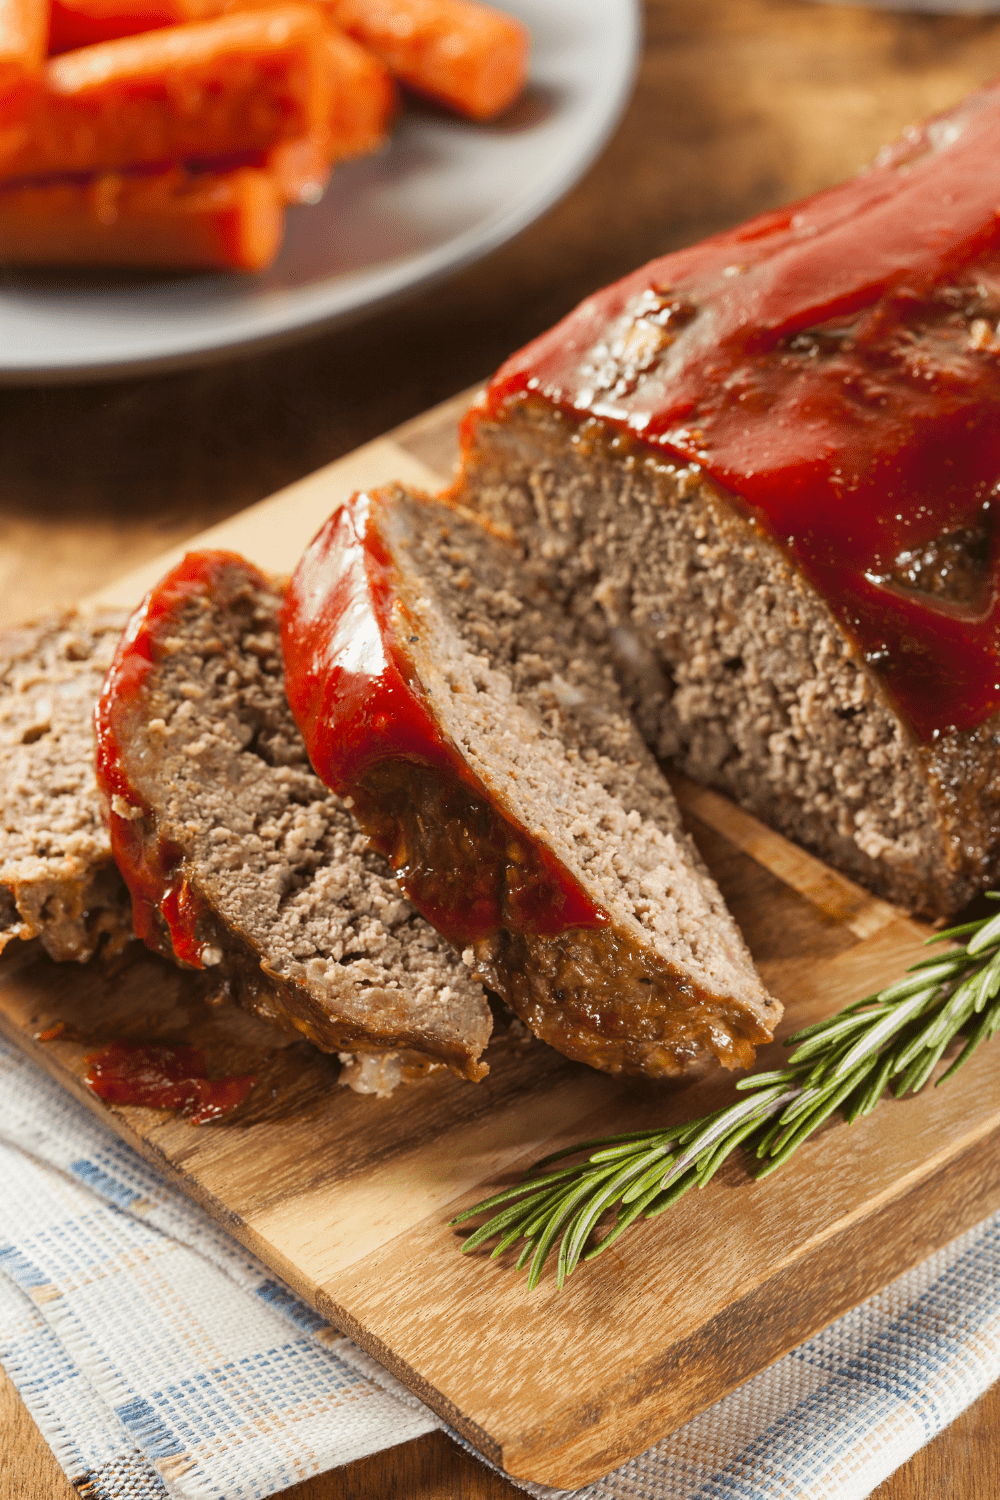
444	194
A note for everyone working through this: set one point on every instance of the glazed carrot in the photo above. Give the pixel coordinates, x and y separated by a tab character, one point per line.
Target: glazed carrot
301	169
229	221
363	98
239	83
467	56
82	23
24	26
363	101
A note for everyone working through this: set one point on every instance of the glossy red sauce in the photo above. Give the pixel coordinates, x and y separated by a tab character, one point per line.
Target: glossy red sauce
150	866
360	705
836	365
164	1078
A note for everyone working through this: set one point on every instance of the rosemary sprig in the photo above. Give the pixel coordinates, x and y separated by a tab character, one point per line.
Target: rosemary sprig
892	1039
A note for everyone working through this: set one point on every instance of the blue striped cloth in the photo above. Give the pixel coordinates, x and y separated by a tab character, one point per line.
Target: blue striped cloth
160	1359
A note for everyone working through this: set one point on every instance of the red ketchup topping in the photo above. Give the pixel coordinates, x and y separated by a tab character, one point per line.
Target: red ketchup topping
164	1078
357	698
151	867
835	365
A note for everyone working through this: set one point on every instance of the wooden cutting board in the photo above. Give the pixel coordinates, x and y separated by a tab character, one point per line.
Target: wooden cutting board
348	1197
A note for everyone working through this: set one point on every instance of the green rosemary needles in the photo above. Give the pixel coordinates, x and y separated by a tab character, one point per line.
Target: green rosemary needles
890	1040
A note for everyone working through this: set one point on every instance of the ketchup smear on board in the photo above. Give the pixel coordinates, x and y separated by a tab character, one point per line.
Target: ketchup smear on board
835	365
164	1078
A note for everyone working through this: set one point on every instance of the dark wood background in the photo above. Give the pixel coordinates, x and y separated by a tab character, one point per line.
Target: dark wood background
740	105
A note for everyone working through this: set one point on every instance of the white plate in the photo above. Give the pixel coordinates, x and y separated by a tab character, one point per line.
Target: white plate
444	193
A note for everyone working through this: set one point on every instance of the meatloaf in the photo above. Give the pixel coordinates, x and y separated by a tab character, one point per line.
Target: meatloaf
766	470
58	881
239	860
485	748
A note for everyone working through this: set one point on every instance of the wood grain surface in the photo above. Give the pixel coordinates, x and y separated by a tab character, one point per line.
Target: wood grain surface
348	1198
741	104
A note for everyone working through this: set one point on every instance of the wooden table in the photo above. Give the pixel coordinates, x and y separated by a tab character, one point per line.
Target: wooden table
740	106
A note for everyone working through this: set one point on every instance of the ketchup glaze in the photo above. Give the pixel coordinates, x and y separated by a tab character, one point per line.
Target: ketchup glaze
372	737
835	366
161	1077
162	898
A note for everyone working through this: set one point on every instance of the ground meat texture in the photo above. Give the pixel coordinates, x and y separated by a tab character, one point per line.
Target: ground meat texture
736	668
493	759
58	881
239	858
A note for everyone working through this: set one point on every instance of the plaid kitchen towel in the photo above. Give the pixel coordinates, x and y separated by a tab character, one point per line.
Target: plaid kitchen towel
160	1359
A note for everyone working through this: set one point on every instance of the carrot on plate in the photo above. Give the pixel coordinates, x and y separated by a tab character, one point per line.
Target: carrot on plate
83	23
363	98
363	101
239	83
24	26
227	221
468	56
300	168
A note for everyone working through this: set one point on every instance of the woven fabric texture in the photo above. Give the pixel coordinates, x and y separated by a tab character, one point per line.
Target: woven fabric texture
159	1358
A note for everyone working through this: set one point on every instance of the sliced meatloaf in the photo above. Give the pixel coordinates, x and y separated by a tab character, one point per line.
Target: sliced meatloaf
485	748
765	471
58	881
238	858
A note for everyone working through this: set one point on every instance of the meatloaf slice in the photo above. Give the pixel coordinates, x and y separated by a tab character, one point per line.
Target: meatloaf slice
486	749
238	858
58	881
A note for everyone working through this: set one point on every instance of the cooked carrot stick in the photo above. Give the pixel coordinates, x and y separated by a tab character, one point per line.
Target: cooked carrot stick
363	101
24	26
239	83
229	221
363	98
467	56
83	23
301	169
